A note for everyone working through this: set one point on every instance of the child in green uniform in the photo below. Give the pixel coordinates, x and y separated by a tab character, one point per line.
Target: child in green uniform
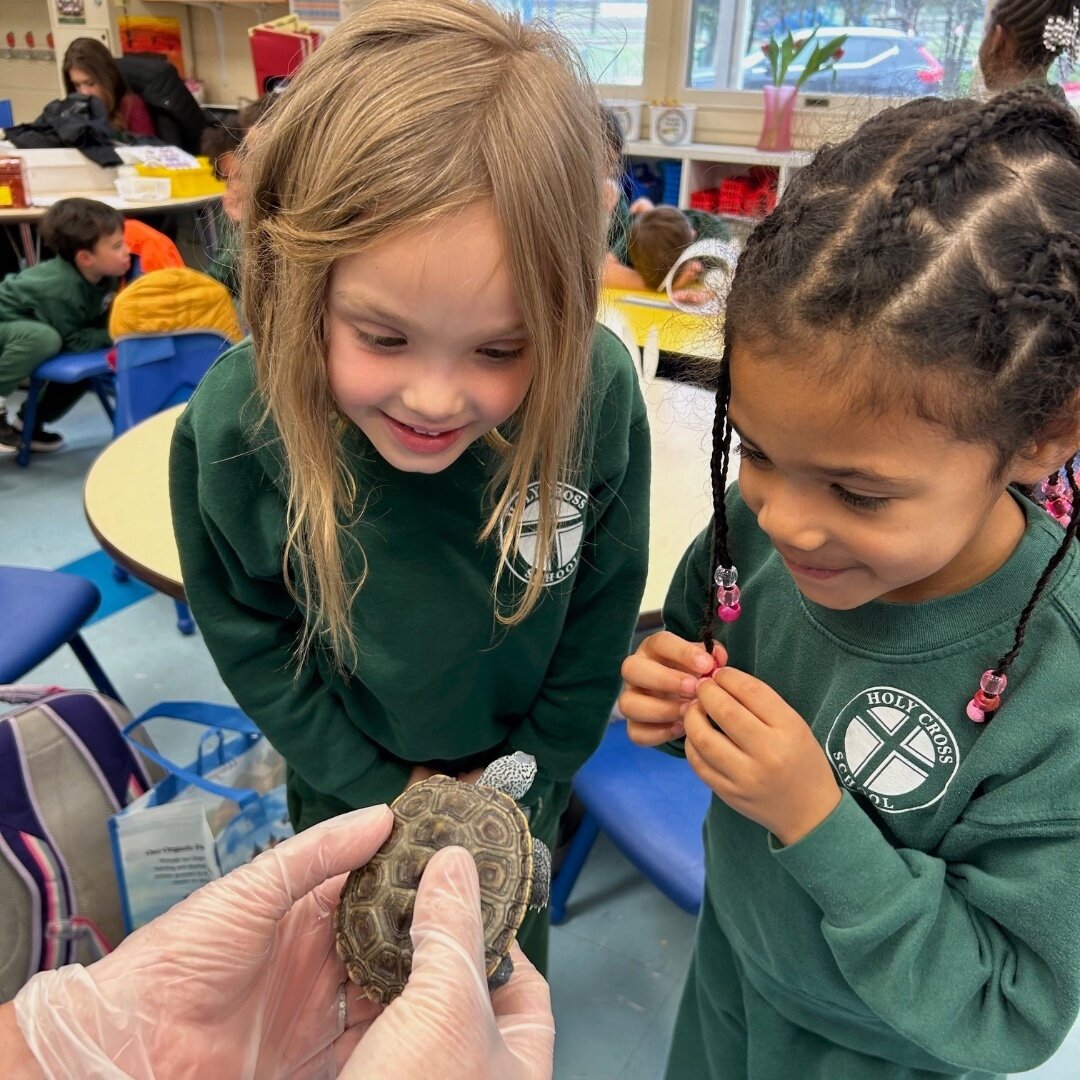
889	716
412	509
61	304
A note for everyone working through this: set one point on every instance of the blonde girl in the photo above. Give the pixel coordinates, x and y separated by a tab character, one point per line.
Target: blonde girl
411	511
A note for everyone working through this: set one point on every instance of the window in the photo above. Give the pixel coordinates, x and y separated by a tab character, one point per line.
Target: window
898	48
609	34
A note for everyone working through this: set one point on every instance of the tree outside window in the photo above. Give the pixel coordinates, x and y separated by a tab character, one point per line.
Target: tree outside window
609	34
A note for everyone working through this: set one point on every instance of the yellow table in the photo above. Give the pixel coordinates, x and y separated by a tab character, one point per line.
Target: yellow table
126	496
678	333
126	499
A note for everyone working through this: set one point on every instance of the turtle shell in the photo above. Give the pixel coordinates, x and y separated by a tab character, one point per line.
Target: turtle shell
374	915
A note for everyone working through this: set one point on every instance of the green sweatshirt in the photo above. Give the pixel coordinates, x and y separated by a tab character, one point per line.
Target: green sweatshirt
933	919
438	680
707	226
55	293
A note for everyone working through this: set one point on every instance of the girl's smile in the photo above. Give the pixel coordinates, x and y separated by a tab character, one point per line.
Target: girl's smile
421	441
427	349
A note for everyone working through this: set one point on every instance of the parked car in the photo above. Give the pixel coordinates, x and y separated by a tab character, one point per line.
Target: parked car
875	61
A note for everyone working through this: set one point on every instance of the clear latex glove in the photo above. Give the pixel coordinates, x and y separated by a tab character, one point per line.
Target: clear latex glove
446	1023
239	980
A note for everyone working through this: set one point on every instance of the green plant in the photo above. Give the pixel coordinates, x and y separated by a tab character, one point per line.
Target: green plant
781	53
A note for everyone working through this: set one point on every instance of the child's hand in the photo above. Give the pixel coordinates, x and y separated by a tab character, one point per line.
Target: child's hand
764	761
661	681
470	777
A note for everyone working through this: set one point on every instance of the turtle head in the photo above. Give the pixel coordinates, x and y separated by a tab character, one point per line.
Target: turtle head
512	774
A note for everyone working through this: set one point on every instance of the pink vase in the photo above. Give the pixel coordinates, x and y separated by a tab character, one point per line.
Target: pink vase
779	110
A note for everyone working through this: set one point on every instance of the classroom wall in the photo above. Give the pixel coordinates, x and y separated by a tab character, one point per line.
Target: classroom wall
225	82
28	84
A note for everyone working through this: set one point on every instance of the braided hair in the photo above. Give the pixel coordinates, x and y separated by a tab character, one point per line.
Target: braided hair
954	215
1024	21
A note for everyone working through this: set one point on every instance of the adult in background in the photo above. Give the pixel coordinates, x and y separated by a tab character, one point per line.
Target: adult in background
89	68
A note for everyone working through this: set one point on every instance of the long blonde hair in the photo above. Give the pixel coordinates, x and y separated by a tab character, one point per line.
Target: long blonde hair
412	110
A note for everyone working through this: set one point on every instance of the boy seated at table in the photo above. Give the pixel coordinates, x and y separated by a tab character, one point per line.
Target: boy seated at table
60	305
658	237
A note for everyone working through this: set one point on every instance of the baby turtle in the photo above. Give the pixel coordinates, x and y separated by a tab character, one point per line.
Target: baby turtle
374	915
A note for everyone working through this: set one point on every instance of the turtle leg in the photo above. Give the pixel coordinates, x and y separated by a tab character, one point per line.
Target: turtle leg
541	883
501	975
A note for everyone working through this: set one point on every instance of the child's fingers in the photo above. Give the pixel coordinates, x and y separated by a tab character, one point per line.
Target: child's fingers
677	652
643	673
755	696
649	709
653	734
734	719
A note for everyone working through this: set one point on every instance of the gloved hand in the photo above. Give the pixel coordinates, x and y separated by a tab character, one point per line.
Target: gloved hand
446	1023
239	980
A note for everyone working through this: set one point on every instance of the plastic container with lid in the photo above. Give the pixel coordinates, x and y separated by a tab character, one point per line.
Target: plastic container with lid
187	182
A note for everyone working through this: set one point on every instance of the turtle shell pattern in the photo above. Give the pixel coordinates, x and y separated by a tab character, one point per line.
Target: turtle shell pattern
374	915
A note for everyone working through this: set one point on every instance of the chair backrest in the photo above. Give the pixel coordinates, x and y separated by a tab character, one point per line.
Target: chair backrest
160	370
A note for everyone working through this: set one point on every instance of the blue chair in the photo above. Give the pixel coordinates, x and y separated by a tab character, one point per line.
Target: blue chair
158	371
71	368
651	806
153	373
66	368
44	610
7	119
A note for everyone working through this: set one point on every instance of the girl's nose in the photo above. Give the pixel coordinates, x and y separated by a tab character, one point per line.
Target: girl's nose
434	397
791	522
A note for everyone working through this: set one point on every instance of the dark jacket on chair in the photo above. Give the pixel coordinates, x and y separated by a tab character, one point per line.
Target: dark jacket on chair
176	114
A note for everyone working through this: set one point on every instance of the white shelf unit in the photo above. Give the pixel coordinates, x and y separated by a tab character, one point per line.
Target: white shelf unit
704	165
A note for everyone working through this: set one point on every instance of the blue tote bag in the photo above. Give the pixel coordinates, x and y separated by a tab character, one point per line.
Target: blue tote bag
203	819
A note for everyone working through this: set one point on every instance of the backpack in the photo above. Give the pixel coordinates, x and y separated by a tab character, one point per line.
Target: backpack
65	769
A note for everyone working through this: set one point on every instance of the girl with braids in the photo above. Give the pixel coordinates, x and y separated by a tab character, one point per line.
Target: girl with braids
412	510
889	715
1013	50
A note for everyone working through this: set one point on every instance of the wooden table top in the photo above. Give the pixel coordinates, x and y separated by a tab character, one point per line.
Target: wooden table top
678	332
126	500
21	214
126	495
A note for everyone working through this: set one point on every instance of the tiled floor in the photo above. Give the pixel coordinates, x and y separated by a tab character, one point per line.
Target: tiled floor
616	964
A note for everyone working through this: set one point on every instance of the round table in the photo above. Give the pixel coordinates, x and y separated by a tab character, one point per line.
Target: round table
23	218
126	496
126	499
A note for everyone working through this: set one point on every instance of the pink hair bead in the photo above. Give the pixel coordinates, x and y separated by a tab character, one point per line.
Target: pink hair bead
729	614
727	593
987	698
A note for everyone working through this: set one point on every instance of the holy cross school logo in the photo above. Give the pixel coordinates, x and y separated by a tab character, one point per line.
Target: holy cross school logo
570	531
894	749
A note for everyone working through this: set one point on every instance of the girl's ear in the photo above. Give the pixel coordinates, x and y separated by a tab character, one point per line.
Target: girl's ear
1059	446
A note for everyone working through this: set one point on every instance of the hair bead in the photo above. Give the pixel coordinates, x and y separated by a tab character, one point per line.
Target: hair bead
987	699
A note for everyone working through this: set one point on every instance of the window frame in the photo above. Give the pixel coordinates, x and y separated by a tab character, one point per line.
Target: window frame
667	38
